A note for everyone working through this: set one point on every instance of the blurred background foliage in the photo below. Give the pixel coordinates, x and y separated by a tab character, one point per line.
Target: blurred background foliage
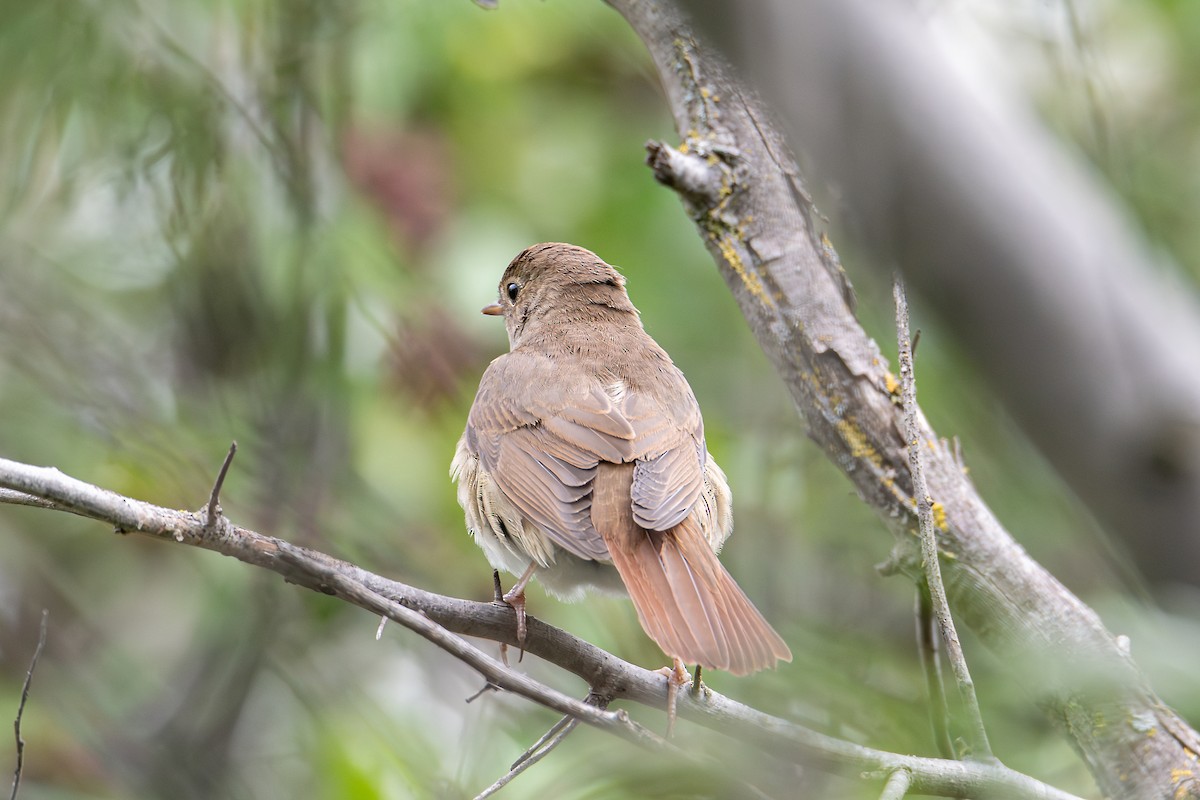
275	221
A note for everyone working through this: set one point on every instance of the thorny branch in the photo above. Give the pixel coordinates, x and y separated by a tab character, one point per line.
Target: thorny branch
444	620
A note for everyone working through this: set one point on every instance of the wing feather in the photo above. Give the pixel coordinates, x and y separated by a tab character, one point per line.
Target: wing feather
541	425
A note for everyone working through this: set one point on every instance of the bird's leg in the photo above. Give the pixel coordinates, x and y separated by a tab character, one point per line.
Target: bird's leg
677	676
498	599
515	597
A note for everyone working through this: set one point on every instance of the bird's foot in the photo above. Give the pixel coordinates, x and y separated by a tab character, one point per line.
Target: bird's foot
516	599
498	599
677	676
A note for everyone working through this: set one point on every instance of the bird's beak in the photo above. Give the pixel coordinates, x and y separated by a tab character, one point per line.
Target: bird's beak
494	310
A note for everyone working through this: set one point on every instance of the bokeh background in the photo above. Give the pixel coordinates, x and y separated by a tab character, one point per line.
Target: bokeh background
275	222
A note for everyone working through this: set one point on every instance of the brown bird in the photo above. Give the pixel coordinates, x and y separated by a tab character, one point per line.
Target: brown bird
584	462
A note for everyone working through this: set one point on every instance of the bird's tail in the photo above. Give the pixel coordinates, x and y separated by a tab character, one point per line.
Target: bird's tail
685	600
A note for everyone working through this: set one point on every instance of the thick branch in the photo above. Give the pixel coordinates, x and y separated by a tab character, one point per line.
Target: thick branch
1037	268
439	618
761	229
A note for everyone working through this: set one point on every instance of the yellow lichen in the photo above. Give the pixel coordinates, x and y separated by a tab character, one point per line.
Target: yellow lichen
890	383
939	516
1185	783
860	446
727	245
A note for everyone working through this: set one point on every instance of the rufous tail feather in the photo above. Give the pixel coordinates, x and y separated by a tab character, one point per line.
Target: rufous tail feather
685	600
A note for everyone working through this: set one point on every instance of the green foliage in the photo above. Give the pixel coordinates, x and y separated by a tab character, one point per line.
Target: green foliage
275	222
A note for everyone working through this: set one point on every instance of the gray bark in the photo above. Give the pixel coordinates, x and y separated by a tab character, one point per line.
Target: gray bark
1089	340
761	228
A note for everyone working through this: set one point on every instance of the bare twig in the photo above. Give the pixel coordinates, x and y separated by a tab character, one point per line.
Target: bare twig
37	653
487	687
9	497
213	507
896	786
593	711
490	668
927	647
609	676
980	748
536	747
540	749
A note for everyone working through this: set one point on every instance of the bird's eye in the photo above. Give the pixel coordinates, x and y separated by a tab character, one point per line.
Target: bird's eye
512	290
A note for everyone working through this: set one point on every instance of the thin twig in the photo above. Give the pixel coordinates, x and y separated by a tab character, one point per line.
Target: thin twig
980	749
927	646
37	653
540	749
536	746
9	497
490	668
609	675
213	509
496	673
487	687
897	785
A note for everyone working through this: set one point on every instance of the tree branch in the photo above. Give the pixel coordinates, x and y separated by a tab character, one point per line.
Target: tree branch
438	618
1040	273
896	786
762	230
539	750
932	570
927	650
37	653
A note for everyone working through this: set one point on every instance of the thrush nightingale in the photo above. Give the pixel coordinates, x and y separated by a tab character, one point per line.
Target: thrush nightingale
583	462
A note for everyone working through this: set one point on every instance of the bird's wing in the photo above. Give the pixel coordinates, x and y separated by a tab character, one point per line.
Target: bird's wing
539	431
540	426
669	475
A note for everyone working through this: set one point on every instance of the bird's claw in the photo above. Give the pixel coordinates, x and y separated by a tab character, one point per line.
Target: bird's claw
677	676
516	600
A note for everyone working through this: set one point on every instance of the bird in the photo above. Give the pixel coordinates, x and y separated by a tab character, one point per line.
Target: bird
583	463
